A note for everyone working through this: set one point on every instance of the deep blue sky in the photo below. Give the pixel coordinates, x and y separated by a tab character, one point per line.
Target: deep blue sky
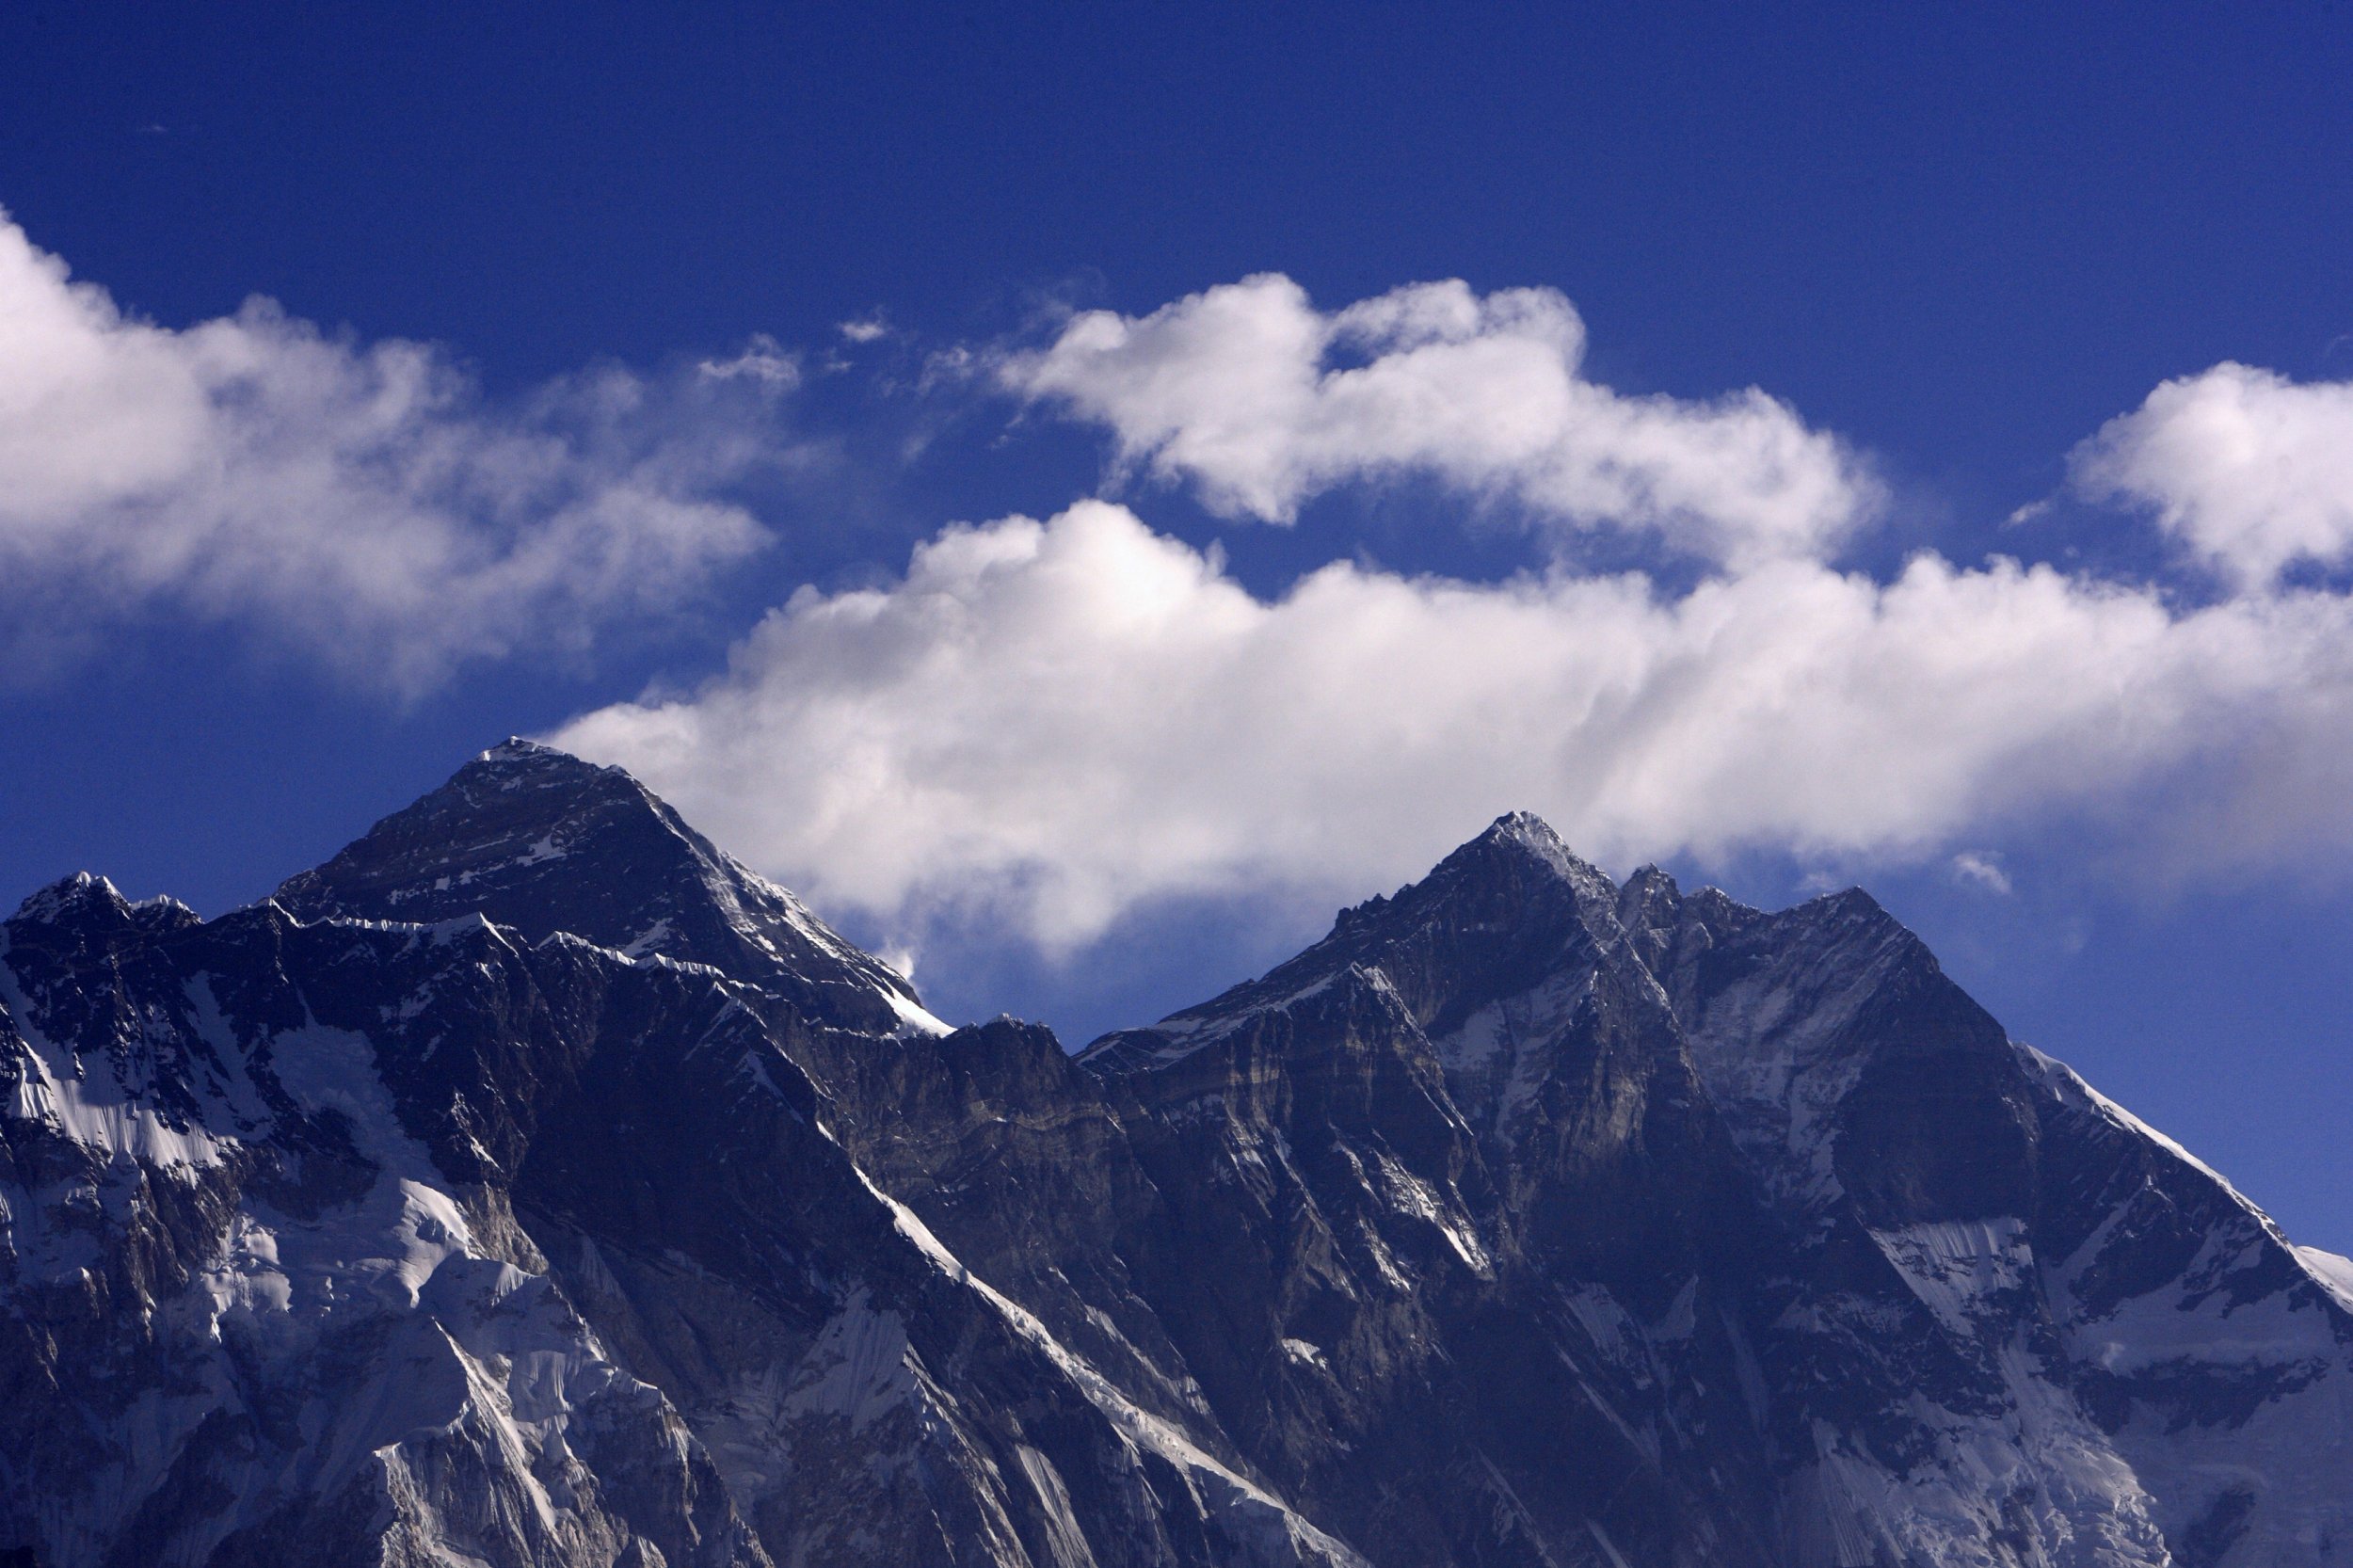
1961	237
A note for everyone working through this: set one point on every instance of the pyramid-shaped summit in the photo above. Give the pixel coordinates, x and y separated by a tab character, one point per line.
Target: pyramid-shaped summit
533	838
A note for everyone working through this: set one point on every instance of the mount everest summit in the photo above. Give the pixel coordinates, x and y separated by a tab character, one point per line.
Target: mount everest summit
531	1184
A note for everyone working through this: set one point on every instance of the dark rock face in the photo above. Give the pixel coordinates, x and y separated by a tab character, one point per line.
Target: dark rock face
531	1184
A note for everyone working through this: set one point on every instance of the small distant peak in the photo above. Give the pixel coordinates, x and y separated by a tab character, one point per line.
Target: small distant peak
163	913
69	895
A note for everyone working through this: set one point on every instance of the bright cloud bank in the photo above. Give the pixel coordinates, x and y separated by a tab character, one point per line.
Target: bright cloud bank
1074	716
1065	719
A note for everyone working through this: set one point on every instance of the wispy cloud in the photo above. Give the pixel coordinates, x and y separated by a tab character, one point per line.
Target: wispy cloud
362	501
1981	868
762	359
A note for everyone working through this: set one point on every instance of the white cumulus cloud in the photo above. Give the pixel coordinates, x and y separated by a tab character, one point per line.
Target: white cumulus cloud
362	500
2252	472
1072	717
1262	400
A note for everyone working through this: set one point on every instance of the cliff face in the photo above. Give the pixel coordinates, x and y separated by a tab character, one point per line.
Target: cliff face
532	1184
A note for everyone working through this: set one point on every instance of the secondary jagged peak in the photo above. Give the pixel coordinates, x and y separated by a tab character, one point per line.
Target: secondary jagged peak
86	902
1501	912
67	893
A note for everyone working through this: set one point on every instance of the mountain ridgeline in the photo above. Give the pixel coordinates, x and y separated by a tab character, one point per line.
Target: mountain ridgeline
532	1184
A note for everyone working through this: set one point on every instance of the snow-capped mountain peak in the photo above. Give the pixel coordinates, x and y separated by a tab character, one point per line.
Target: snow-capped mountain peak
535	839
